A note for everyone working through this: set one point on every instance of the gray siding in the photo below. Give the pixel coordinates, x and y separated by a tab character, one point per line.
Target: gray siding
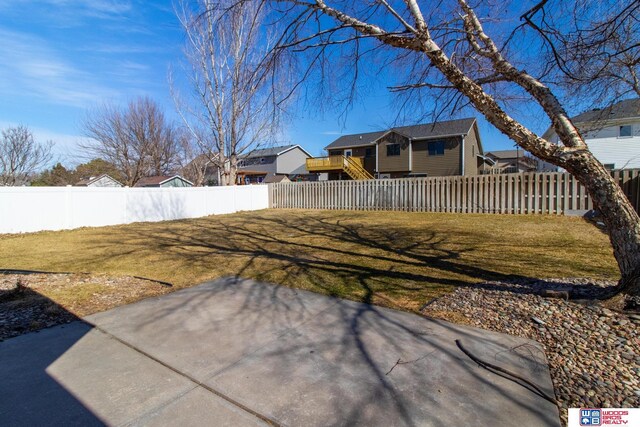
292	162
444	165
265	164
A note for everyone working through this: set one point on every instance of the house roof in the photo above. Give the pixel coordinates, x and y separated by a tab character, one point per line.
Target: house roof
85	182
274	151
158	180
627	109
508	154
243	171
422	131
273	178
622	110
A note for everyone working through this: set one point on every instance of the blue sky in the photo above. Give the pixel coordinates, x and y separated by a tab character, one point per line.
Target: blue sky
59	58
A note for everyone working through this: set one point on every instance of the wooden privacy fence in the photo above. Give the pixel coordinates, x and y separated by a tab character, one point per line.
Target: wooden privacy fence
525	193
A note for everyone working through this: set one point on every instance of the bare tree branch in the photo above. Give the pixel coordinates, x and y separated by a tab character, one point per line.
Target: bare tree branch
21	156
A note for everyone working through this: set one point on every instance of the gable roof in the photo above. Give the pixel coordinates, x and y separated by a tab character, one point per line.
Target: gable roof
273	178
628	108
508	154
85	182
158	180
274	151
422	131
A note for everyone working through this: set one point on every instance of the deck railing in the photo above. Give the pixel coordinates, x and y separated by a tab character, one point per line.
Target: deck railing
322	164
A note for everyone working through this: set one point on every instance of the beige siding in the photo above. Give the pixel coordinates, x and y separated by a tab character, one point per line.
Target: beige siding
393	163
446	165
470	152
370	161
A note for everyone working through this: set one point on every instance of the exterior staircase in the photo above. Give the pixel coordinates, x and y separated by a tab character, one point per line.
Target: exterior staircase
352	166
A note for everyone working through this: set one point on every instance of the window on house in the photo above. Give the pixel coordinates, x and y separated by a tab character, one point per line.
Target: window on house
436	148
393	150
625	131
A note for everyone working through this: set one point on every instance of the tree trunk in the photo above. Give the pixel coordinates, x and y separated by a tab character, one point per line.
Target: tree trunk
619	216
621	219
233	170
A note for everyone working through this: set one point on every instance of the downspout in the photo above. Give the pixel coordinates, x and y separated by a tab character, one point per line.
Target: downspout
462	155
410	155
377	157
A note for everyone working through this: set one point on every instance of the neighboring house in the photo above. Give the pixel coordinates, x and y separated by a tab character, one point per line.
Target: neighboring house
285	160
512	161
273	179
103	180
163	181
612	133
201	171
434	149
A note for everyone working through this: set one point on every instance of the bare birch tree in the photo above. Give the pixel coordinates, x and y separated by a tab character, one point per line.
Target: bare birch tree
444	46
594	48
21	156
138	139
229	112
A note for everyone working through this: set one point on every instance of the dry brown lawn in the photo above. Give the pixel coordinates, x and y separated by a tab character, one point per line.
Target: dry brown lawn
395	259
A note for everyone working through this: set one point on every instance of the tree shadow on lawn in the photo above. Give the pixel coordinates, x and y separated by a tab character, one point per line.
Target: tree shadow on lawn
390	266
301	358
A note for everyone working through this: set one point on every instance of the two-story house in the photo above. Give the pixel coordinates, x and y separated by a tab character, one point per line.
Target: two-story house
270	164
512	161
612	133
434	149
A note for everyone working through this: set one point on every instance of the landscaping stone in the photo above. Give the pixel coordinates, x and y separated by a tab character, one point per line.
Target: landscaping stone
25	308
593	352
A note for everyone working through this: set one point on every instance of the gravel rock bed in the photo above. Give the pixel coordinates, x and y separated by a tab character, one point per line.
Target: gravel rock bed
593	352
25	307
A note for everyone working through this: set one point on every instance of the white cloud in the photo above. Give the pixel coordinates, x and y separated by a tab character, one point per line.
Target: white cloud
92	8
31	69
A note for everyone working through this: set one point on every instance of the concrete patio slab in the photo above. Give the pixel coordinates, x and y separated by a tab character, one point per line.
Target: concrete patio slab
362	365
205	328
238	352
76	375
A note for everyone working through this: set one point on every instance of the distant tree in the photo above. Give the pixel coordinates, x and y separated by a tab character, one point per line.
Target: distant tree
97	167
230	111
21	156
201	171
57	176
138	140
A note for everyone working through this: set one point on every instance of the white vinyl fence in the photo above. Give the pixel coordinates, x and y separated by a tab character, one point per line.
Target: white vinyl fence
28	209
